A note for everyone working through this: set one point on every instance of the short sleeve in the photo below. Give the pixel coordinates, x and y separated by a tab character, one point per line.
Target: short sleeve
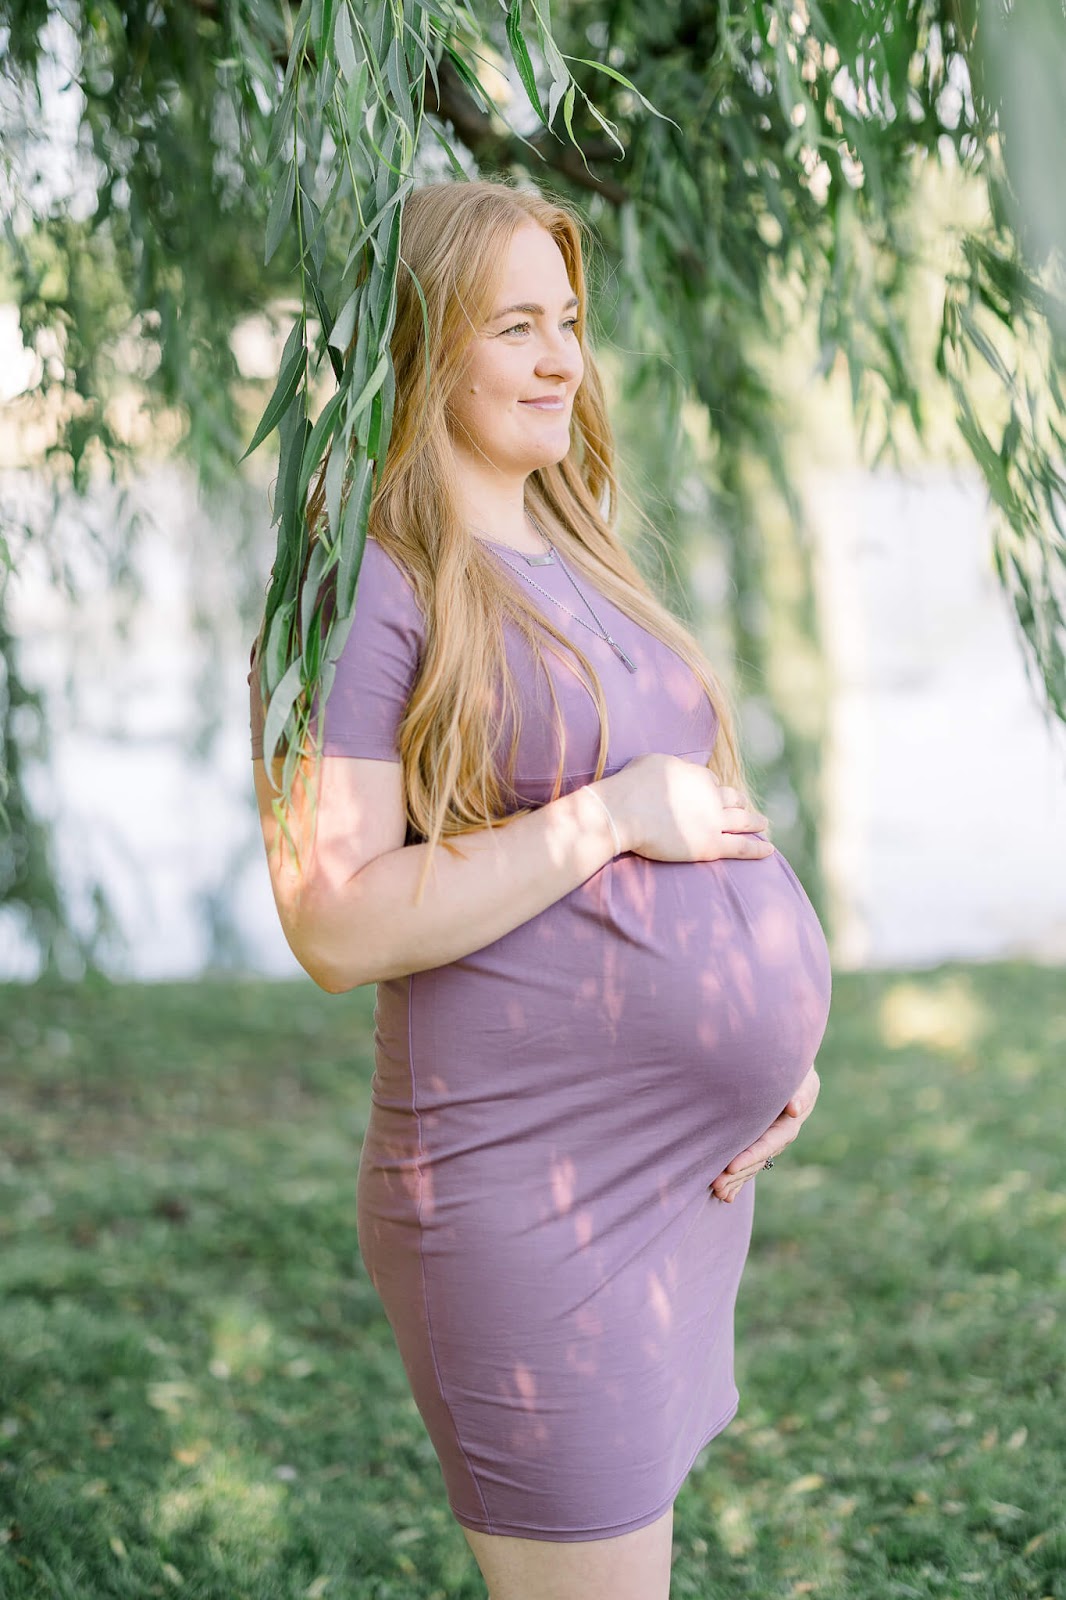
376	669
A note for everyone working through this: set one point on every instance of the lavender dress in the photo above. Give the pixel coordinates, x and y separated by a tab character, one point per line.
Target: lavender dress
547	1112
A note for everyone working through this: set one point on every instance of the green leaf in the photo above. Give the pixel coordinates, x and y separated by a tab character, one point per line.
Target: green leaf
281	130
381	417
468	77
355	99
373	384
427	58
326	319
314	449
280	210
458	171
568	113
279	707
334	482
383	282
314	243
344	327
344	44
375	221
318	565
277	643
608	127
324	29
293	361
986	349
399	82
521	57
425	321
353	537
612	72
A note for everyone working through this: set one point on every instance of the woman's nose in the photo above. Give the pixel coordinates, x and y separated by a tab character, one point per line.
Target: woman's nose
560	357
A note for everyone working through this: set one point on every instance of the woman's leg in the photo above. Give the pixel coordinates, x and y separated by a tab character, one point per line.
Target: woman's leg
631	1566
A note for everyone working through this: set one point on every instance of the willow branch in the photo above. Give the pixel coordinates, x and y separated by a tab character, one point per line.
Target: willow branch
489	147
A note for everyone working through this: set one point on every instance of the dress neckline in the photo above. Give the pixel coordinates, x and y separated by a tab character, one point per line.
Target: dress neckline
498	544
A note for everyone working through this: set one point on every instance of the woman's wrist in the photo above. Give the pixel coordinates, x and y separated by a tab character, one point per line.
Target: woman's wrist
608	814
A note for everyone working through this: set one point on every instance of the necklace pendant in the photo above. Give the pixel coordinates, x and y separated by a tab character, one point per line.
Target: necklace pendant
620	653
541	561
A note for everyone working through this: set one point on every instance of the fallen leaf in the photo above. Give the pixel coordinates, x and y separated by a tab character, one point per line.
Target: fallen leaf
1017	1438
1008	1512
168	1397
117	1546
317	1589
171	1574
805	1485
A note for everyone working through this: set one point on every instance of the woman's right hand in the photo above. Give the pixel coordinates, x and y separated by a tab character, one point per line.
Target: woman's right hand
670	809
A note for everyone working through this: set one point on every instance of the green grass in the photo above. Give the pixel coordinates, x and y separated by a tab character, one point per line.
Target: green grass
199	1394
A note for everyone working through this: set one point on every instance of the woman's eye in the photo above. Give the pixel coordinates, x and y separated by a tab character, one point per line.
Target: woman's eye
521	327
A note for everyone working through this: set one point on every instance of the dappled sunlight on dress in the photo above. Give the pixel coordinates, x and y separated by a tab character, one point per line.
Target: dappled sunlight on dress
548	1112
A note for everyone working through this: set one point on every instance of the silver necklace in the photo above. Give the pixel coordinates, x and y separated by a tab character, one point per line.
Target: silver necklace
543	561
530	561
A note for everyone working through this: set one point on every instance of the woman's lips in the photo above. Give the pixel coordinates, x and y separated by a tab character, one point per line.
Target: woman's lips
545	405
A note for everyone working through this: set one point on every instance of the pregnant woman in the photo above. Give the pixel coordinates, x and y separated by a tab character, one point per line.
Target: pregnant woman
600	989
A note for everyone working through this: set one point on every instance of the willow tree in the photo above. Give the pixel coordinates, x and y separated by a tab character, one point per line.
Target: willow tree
257	153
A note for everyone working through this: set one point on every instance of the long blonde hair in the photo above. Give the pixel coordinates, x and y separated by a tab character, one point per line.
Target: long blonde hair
454	237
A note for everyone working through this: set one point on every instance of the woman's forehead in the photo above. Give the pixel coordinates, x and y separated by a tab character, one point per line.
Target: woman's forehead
532	264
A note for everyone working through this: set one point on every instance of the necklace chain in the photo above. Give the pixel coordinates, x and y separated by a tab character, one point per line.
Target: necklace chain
600	629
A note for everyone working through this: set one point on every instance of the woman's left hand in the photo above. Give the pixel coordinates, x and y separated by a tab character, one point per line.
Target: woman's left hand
778	1135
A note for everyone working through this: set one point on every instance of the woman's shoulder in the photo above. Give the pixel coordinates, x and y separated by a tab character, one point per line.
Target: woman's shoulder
387	574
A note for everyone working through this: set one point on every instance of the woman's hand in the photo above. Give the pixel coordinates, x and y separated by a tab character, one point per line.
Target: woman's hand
670	809
751	1161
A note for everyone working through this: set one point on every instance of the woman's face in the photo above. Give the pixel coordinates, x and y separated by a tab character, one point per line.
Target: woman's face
527	352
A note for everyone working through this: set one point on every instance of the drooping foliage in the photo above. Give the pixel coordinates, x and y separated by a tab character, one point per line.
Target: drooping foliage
235	155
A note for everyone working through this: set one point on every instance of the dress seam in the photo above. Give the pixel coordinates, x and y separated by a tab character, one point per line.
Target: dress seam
421	1251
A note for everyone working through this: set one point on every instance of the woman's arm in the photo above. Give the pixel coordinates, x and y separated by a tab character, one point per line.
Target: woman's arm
348	914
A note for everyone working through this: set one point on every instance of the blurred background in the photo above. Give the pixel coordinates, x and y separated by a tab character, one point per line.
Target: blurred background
827	296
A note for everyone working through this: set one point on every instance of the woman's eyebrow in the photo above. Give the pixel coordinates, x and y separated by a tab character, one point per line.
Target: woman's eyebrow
533	310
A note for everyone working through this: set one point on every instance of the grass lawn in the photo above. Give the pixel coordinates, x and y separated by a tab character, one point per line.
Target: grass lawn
199	1393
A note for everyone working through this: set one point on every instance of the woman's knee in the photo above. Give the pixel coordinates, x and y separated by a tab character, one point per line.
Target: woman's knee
629	1566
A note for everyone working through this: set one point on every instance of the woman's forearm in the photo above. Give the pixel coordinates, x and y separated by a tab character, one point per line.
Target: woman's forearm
369	929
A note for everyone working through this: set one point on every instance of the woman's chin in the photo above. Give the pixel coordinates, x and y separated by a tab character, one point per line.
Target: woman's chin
548	455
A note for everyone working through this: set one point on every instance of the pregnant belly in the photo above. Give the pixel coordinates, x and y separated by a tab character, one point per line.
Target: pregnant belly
721	968
677	1003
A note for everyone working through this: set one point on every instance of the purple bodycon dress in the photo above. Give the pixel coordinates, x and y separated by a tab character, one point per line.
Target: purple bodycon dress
548	1112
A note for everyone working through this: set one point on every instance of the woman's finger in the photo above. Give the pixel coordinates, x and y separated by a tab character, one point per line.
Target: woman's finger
739	819
805	1096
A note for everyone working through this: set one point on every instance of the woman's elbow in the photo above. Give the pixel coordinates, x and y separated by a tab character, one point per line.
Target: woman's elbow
334	980
325	954
331	969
